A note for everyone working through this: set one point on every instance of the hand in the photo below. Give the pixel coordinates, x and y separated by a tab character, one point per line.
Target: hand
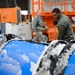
46	28
55	22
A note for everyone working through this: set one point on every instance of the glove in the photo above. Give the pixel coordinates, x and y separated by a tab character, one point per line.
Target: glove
55	22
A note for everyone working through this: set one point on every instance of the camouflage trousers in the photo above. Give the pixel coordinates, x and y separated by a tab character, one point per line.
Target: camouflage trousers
40	37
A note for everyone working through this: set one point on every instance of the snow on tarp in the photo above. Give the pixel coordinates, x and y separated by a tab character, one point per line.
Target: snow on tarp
70	69
48	59
58	59
66	63
19	57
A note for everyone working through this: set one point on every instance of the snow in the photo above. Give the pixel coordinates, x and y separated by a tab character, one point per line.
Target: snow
44	64
63	60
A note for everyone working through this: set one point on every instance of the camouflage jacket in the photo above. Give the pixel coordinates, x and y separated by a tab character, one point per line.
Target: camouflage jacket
37	24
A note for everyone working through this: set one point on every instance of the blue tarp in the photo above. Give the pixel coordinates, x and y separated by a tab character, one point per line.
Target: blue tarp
19	57
70	69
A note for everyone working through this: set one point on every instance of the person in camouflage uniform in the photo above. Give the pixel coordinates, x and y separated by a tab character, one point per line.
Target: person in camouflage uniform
64	25
37	27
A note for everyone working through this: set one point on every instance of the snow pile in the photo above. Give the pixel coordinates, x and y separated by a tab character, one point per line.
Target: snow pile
63	60
49	57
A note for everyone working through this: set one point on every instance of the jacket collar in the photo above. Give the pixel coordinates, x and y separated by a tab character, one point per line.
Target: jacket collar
60	17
